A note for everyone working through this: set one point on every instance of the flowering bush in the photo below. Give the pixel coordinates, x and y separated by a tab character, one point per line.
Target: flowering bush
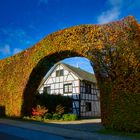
39	111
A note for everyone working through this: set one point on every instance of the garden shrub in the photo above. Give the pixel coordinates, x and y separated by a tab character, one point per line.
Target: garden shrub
69	117
60	109
54	103
2	111
36	118
56	116
26	117
48	116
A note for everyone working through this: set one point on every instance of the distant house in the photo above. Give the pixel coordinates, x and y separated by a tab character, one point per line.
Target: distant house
80	85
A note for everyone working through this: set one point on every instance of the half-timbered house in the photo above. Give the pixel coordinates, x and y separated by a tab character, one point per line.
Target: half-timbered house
80	85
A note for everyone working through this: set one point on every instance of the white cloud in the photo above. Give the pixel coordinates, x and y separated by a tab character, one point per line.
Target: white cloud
16	50
108	16
5	50
112	13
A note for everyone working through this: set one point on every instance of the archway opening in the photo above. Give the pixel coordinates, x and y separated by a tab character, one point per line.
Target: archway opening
74	78
84	104
37	74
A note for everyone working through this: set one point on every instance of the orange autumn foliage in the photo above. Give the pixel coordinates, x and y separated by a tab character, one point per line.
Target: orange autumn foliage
115	50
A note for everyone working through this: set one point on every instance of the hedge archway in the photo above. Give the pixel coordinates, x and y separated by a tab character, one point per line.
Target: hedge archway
115	50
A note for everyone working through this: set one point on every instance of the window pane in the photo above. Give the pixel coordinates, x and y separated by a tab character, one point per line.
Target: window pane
47	89
88	88
88	106
59	73
68	88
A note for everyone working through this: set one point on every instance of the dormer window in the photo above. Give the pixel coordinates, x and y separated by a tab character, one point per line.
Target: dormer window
59	73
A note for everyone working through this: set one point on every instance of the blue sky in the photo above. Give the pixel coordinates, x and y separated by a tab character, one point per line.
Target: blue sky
25	22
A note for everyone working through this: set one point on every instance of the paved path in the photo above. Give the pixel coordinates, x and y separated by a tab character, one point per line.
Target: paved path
63	131
89	125
8	132
5	136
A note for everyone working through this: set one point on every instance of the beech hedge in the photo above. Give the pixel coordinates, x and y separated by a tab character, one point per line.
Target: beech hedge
115	50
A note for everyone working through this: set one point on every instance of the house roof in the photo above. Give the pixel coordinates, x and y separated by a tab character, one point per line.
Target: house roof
82	74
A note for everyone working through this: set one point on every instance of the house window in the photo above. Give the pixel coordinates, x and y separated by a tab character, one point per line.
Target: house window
67	88
47	89
88	106
94	86
88	88
59	73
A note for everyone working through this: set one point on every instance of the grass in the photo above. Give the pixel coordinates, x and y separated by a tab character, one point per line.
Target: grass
119	133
